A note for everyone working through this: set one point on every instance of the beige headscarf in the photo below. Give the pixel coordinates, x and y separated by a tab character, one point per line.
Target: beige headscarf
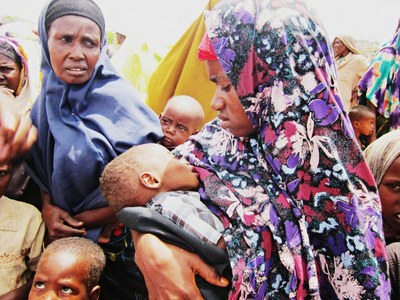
349	42
381	153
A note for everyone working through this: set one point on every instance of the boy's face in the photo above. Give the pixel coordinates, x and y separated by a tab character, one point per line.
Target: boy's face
177	126
367	125
175	174
5	177
61	276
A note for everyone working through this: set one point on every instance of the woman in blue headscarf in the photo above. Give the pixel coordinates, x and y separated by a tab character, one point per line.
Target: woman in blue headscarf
86	115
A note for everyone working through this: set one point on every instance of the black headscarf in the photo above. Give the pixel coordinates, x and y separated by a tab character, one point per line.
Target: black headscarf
83	8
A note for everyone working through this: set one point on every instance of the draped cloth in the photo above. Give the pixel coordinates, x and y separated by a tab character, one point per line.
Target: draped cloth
81	128
380	84
299	204
382	153
181	73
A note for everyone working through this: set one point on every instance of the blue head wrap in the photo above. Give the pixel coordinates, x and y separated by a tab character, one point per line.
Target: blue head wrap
81	128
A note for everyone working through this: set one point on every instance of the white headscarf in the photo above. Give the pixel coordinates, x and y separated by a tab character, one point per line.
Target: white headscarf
381	153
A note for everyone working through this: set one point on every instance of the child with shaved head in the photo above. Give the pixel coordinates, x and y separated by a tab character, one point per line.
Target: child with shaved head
182	116
363	121
150	175
69	268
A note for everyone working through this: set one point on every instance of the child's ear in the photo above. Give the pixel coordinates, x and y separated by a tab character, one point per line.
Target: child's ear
356	124
94	293
150	180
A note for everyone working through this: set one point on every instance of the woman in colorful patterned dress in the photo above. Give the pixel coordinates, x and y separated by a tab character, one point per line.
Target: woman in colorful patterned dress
379	88
280	165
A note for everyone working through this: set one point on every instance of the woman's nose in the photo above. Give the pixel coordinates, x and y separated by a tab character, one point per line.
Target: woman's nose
76	52
216	103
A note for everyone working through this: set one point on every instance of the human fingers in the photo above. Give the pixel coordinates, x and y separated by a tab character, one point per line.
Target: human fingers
175	277
207	272
61	230
70	221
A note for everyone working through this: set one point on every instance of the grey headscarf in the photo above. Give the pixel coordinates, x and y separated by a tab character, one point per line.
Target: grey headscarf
84	8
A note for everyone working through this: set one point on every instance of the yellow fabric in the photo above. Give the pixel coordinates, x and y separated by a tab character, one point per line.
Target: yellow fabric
181	72
21	237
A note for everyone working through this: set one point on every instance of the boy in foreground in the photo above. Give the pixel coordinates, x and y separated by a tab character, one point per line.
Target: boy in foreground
69	268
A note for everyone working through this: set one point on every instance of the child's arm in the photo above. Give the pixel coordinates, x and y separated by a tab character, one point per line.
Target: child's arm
97	217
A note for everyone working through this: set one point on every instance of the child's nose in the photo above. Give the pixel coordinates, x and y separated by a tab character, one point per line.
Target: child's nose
171	129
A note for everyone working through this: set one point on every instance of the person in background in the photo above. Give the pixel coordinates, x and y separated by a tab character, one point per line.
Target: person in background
69	268
86	115
14	75
383	157
21	239
182	116
362	119
280	167
351	66
379	88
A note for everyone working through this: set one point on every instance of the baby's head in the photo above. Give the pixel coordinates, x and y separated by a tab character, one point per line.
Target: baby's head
143	171
69	268
362	119
182	116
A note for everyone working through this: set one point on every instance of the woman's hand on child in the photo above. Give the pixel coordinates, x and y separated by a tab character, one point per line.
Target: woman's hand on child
175	268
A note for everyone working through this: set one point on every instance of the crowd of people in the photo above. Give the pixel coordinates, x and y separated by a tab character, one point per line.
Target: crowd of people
291	192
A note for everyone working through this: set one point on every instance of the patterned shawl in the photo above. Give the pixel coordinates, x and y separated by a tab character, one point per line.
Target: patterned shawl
298	201
381	82
81	128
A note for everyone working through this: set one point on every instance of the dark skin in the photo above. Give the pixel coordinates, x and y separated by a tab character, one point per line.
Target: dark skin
373	135
60	223
172	260
74	47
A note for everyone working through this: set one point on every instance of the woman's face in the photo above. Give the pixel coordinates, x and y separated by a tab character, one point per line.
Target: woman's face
389	192
74	46
339	49
227	103
10	73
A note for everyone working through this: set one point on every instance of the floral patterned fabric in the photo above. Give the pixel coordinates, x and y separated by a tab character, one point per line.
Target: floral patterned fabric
381	83
300	207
